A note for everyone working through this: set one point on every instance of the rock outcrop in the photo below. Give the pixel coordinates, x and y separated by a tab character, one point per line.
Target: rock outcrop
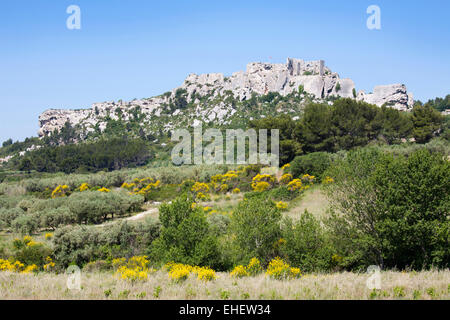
313	77
395	96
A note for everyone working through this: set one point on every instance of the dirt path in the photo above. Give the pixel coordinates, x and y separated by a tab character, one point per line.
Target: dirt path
142	214
139	216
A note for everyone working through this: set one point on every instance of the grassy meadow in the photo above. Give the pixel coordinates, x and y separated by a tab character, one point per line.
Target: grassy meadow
425	285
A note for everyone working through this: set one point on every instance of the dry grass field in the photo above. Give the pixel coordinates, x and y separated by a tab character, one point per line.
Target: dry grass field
314	200
394	285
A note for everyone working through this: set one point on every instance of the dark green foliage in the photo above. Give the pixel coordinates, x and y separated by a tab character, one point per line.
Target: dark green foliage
7	143
426	121
394	125
440	104
186	236
353	123
256	226
313	164
288	150
314	128
348	124
109	154
9	147
307	245
179	101
393	211
446	128
289	147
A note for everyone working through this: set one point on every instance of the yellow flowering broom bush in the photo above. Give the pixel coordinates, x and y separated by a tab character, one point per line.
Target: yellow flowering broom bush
262	182
136	268
204	273
239	271
224	182
84	187
252	269
280	270
308	179
17	266
260	186
179	272
49	265
286	178
295	185
60	191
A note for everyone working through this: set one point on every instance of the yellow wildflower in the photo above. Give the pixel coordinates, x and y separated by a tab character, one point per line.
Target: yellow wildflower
84	187
236	191
281	205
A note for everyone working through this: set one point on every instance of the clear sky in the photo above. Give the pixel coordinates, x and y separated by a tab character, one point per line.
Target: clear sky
140	48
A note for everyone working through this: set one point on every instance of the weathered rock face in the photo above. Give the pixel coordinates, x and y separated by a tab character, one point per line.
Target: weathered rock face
259	78
394	95
55	119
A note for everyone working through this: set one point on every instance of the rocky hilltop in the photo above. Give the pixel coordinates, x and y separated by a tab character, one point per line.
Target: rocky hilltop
215	98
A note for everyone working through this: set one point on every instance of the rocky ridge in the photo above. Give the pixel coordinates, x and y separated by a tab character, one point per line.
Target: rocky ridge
215	98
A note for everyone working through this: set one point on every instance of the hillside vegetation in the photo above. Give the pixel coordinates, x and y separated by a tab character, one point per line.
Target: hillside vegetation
351	192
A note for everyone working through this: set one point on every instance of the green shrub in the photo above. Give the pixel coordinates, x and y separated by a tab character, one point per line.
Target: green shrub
97	266
219	224
427	121
95	206
109	154
276	194
313	164
307	245
399	292
7	216
256	226
338	87
31	254
186	236
83	244
393	211
54	218
26	223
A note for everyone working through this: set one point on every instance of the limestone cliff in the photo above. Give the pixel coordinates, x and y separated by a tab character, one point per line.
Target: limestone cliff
214	98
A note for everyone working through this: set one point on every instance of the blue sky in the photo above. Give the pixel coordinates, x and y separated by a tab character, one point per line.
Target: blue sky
137	48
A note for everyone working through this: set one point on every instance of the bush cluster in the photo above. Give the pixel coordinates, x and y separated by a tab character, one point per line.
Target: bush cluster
88	207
